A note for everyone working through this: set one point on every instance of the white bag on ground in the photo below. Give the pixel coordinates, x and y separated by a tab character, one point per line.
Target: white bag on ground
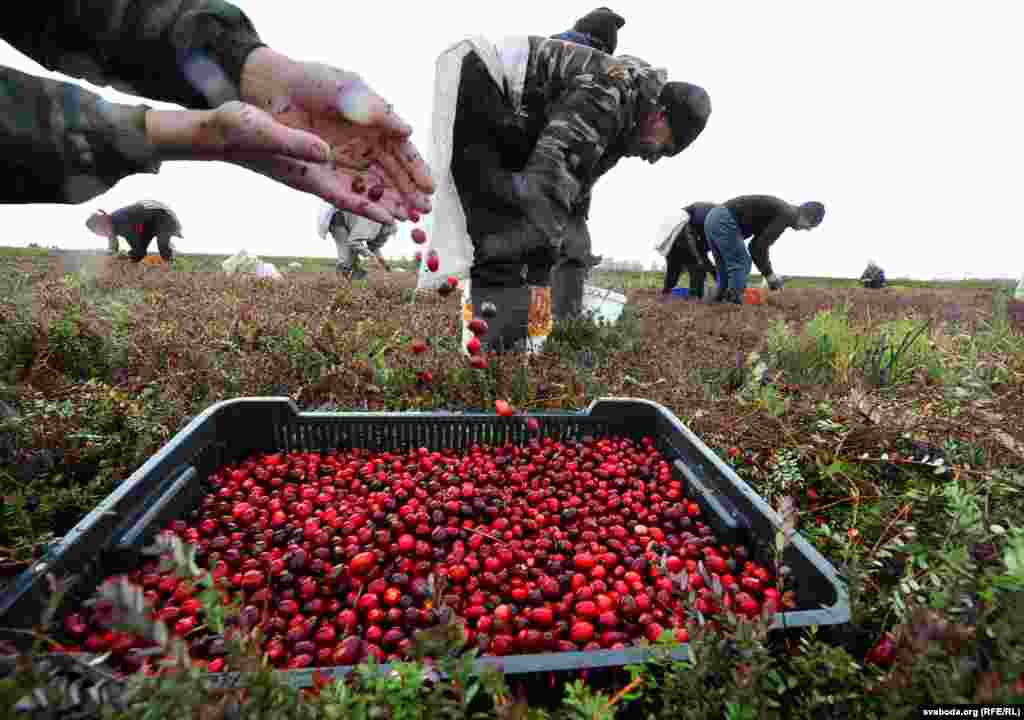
268	270
446	224
240	262
1019	292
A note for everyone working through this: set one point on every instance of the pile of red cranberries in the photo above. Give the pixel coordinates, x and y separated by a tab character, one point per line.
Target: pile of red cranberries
548	547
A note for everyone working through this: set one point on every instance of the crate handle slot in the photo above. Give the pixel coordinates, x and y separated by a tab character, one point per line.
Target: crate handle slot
130	536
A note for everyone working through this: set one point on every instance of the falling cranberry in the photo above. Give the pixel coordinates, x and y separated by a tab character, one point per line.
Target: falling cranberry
503	408
418	236
884	651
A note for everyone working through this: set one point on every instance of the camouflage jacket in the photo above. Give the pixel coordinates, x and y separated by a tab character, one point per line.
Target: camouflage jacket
64	144
585	105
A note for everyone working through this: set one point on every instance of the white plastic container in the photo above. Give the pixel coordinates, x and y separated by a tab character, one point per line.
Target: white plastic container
605	304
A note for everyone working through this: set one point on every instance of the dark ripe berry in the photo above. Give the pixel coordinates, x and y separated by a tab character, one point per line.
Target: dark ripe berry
884	651
350	652
300	661
362	563
581	632
375	193
542	617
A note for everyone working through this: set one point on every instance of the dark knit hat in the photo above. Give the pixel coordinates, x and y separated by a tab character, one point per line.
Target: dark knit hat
814	211
602	24
688	107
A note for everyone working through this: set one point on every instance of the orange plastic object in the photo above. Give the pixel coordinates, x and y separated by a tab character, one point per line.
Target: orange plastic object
153	260
753	296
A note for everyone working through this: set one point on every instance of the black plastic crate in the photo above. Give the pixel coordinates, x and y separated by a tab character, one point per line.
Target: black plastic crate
168	485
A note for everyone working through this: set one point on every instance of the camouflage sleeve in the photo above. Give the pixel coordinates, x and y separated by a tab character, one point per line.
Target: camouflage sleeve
580	128
189	52
64	144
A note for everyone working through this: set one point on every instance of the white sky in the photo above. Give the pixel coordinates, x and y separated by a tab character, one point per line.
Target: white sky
902	117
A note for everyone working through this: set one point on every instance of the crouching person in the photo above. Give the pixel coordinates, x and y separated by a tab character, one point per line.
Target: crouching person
873	277
686	248
763	218
354	236
138	223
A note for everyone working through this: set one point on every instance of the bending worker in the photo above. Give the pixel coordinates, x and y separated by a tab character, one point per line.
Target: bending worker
763	218
687	248
138	223
354	237
523	186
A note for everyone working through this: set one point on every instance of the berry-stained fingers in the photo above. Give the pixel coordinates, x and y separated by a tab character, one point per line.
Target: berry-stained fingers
414	164
372	155
326	183
377	182
240	127
395	171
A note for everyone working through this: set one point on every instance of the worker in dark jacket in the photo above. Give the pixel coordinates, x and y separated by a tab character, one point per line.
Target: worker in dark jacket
598	29
689	251
139	223
873	276
303	124
763	218
525	189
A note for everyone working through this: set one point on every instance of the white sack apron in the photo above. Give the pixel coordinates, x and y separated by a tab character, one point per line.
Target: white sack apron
446	224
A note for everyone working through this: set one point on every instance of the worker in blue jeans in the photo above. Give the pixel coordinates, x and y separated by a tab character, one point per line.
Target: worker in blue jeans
762	217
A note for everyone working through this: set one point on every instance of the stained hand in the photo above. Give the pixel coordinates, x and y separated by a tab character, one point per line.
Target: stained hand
374	169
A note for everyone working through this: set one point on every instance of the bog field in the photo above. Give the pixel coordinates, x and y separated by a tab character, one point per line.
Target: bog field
886	426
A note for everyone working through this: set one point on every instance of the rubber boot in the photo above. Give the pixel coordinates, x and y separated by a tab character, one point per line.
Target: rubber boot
567	280
507	329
